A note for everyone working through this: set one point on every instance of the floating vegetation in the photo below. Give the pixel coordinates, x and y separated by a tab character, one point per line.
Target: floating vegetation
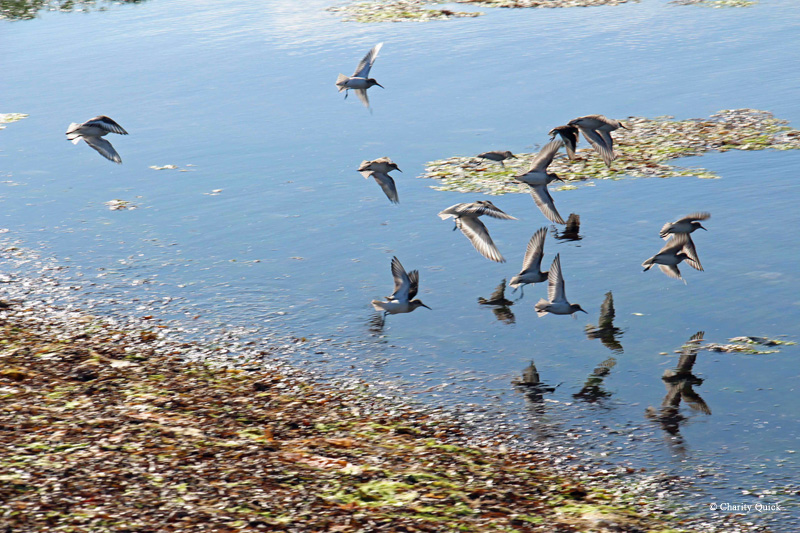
8	118
120	205
397	11
644	151
715	3
544	3
423	10
748	345
172	167
28	9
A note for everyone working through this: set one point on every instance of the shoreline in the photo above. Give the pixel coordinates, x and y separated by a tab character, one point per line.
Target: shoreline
123	420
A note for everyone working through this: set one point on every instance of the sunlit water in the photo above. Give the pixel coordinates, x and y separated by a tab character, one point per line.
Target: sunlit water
241	96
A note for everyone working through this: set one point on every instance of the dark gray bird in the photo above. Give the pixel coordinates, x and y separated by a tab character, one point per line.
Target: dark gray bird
569	134
498	297
498	156
92	131
466	217
597	130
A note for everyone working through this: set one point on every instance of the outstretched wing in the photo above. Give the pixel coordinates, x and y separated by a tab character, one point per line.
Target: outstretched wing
402	282
534	252
599	144
555	282
387	184
545	156
478	235
362	70
104	148
545	203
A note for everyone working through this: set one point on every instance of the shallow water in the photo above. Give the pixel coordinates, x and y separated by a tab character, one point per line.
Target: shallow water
241	96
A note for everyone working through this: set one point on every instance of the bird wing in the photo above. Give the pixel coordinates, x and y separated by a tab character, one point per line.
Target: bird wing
452	211
362	70
671	271
696	216
362	96
387	184
107	124
691	254
545	203
545	156
607	313
555	282
402	282
478	235
535	251
599	144
104	148
694	400
486	208
677	242
413	278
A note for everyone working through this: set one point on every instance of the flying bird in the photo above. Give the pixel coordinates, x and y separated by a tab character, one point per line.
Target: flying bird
360	80
569	134
382	164
466	218
537	179
674	251
402	299
532	263
92	131
597	130
687	224
556	302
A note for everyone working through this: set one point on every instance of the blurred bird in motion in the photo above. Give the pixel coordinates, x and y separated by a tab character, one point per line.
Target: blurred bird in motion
92	131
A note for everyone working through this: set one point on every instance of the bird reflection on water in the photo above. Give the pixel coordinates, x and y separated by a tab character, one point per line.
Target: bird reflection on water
605	329
500	305
680	384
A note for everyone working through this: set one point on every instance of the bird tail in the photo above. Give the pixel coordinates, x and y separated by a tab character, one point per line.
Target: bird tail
72	135
340	81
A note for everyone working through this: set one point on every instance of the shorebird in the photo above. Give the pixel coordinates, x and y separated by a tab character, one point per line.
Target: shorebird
537	179
386	182
382	164
360	80
532	263
498	156
605	329
92	131
556	302
673	252
466	217
569	134
405	288
686	225
597	130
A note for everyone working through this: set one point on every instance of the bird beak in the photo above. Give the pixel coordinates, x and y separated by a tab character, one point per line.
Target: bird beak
583	311
379	85
397	169
623	126
701	227
513	156
425	306
559	179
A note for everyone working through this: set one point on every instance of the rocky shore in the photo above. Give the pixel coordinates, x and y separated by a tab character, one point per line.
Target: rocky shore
109	429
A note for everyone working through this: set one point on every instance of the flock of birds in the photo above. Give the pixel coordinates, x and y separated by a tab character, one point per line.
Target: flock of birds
596	129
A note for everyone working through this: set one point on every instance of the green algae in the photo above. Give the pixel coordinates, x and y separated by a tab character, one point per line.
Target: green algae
644	150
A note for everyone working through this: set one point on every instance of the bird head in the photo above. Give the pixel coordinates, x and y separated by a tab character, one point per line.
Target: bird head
417	303
373	81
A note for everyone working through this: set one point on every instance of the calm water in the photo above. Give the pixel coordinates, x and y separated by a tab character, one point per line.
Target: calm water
241	96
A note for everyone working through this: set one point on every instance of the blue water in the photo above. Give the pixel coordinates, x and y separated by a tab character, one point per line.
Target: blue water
241	96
